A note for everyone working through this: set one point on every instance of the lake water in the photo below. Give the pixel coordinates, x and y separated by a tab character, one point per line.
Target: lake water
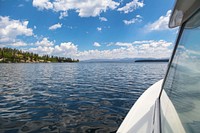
76	97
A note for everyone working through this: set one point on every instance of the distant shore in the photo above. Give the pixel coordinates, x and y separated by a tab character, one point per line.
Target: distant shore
154	60
6	60
9	55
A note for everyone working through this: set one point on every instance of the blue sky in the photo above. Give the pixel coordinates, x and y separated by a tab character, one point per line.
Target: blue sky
88	29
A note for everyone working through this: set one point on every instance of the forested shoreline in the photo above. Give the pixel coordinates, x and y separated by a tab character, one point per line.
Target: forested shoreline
9	55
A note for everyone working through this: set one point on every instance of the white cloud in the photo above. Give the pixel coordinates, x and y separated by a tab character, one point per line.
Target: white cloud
138	18
10	29
143	42
148	50
136	49
55	26
15	43
153	44
103	19
84	8
131	6
96	44
42	50
99	28
63	14
160	24
44	42
42	4
18	44
66	49
123	44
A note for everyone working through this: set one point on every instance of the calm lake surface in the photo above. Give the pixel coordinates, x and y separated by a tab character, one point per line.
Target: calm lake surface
77	97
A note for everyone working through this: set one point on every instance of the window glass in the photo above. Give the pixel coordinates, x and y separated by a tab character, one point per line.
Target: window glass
180	99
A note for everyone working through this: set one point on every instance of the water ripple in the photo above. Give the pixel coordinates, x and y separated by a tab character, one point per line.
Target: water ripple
82	97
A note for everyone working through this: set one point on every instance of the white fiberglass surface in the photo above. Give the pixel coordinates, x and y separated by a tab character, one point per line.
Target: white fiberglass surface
140	117
182	84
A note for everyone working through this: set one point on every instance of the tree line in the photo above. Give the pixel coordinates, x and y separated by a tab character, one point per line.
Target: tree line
9	55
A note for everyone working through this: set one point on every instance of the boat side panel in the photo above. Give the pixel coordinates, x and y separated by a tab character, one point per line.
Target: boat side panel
140	117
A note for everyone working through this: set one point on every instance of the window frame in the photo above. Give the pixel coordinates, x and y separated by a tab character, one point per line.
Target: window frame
181	29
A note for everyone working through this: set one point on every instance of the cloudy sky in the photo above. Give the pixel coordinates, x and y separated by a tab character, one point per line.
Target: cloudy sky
88	29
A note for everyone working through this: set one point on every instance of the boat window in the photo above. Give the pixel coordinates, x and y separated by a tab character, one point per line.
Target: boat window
180	98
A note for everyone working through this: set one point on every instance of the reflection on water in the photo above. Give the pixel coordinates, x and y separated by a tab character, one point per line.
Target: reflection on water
82	97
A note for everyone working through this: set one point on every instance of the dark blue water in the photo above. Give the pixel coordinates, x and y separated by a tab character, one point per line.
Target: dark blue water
78	97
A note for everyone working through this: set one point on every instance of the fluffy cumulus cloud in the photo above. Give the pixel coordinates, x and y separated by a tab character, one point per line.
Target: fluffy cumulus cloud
10	29
42	50
140	49
138	18
17	44
160	24
66	49
45	42
131	6
96	44
84	8
55	26
42	4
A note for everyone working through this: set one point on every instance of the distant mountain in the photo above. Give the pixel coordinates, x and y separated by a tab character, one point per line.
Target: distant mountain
109	60
126	60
